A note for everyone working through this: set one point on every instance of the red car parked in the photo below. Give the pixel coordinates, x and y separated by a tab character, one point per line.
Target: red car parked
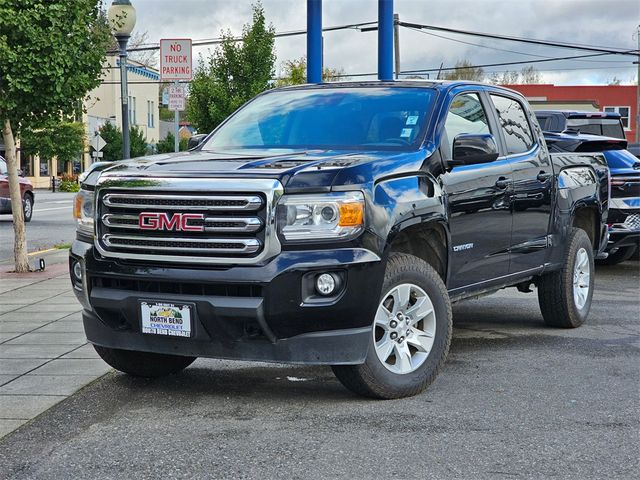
26	191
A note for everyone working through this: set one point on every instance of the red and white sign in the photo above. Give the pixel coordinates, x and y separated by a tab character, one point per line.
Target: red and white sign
175	59
176	98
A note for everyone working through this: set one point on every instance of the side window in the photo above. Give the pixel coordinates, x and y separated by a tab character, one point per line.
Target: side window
466	115
514	124
3	167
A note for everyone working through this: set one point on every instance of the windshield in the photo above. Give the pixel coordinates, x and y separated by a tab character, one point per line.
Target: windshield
607	127
337	118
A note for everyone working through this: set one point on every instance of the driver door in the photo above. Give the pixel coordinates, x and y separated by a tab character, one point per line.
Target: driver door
479	199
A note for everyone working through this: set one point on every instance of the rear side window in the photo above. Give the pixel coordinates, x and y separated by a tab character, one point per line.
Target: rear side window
3	167
514	124
465	115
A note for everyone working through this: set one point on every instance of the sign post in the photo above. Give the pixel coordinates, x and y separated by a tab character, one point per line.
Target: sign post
176	66
98	143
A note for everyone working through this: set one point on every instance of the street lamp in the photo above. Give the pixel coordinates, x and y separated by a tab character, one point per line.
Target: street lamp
122	18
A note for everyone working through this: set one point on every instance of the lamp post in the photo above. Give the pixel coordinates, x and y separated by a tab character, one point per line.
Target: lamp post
122	18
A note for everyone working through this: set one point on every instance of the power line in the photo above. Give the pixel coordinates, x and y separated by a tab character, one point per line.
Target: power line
533	41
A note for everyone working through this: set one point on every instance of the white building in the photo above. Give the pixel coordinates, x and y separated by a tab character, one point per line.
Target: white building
104	105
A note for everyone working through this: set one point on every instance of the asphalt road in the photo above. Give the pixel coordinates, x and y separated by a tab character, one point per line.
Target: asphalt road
52	224
515	400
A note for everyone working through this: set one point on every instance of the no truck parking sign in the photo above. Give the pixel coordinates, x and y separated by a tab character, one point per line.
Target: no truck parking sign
175	59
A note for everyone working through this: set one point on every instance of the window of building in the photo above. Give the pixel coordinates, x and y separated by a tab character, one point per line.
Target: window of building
150	115
514	124
624	114
466	115
153	117
133	109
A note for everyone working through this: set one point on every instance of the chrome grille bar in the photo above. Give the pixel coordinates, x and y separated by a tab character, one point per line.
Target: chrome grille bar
191	245
211	224
183	202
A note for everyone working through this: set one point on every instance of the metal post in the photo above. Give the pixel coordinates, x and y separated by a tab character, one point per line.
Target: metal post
396	43
124	93
637	90
314	41
176	119
385	39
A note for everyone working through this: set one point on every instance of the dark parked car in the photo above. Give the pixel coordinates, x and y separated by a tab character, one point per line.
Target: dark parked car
26	192
334	224
587	132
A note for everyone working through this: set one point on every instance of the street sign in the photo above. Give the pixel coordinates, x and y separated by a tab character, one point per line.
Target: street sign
175	59
176	98
97	142
165	97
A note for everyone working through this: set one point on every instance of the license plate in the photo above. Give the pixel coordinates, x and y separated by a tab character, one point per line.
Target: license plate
169	319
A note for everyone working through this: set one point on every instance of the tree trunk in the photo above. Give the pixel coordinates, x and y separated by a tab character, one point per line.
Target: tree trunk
20	243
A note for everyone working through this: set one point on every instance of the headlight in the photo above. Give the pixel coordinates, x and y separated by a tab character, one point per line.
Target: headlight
327	216
83	211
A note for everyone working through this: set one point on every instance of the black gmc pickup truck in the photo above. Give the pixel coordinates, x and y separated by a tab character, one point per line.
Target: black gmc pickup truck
335	224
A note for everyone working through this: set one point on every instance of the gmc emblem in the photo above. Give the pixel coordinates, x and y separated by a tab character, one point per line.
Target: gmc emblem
165	221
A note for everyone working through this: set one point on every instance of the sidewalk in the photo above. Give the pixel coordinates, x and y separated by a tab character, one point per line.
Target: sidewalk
44	355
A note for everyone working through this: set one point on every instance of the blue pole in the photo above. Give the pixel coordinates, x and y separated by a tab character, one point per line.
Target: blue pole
314	41
385	39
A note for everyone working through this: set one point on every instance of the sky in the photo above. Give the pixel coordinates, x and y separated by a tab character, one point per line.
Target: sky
607	23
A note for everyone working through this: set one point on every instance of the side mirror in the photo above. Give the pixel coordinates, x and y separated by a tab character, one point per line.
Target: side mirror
473	148
195	140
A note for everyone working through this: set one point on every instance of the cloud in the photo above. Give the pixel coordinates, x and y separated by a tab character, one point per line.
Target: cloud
593	22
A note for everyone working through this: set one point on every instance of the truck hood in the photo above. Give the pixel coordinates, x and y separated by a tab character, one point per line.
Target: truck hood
295	169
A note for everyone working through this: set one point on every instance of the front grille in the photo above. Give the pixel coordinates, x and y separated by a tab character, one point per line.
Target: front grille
632	222
191	225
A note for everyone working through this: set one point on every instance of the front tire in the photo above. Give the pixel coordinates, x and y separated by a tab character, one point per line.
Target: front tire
27	207
411	333
143	364
565	295
622	254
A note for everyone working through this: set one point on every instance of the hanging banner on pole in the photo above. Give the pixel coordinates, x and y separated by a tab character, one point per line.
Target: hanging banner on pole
175	59
176	98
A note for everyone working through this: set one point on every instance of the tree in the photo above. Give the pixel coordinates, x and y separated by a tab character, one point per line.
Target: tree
464	70
615	81
295	73
235	73
168	144
64	140
112	136
511	77
51	55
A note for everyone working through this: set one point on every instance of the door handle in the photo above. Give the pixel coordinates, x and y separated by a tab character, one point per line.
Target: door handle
543	176
502	183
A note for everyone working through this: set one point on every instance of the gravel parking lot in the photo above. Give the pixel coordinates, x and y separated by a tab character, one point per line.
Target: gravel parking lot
515	400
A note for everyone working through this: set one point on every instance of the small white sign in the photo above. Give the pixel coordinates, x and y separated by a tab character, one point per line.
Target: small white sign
97	142
175	59
176	98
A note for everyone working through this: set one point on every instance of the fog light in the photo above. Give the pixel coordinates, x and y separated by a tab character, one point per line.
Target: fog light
77	271
325	284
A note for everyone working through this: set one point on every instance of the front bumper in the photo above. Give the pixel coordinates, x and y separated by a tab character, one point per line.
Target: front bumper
261	312
624	225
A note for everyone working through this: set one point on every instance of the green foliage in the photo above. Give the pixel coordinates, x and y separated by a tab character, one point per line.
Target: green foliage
51	56
112	135
137	142
113	138
295	73
64	140
69	186
168	144
235	73
464	71
166	114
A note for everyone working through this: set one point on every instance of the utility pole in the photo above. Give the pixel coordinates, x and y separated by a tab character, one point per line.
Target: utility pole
396	43
637	62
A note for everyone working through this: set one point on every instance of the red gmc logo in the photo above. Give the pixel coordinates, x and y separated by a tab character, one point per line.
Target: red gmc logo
166	221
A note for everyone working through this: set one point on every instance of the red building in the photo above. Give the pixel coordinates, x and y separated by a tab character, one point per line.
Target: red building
613	98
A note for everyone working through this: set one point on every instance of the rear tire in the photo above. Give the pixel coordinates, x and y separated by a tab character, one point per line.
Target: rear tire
143	364
622	254
411	333
565	295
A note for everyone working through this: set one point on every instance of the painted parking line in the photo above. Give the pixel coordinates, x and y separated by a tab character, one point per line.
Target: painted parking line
54	208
